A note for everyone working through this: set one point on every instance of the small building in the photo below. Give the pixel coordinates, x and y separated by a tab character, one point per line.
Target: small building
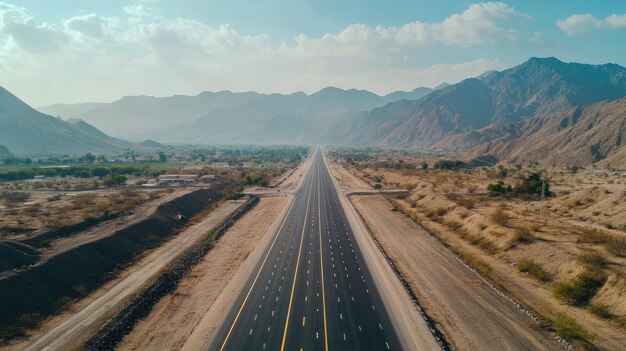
178	179
220	164
40	177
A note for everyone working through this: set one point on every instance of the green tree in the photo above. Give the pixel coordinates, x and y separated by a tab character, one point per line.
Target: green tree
89	157
162	156
114	179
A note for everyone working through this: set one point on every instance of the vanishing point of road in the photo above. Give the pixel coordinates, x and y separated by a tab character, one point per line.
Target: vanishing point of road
311	289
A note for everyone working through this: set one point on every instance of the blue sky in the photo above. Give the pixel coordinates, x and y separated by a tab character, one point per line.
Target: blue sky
75	51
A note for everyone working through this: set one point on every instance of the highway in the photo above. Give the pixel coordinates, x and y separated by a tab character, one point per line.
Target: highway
312	289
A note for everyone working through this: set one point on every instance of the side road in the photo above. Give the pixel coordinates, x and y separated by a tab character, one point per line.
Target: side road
71	332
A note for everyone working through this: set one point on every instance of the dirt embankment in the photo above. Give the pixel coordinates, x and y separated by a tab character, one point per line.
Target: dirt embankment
41	289
563	258
174	318
469	313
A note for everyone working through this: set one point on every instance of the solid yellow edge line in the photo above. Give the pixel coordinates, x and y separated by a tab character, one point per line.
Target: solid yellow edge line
257	276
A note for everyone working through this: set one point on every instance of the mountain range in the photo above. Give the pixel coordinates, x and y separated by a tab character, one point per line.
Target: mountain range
228	117
516	115
26	131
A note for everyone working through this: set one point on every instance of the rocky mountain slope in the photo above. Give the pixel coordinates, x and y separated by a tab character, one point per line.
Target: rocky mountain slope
26	131
579	136
540	86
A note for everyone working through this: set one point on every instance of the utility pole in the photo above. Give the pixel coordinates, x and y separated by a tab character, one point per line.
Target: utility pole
543	194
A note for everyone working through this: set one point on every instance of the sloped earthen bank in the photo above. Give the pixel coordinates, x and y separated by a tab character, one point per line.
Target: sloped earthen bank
40	290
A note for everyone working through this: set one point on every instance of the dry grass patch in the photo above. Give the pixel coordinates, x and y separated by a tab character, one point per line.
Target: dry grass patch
534	269
500	217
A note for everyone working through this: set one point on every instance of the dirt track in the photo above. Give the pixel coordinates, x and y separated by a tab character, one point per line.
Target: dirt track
469	313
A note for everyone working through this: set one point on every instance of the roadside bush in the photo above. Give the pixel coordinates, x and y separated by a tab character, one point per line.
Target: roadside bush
567	328
592	236
617	246
452	224
533	269
523	235
601	310
500	217
594	260
580	289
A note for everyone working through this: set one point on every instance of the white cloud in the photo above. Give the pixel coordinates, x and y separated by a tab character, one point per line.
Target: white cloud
579	24
616	21
141	11
584	23
94	57
480	24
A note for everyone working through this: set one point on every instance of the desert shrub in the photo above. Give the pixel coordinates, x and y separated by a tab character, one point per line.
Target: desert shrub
617	246
13	198
601	310
533	269
452	224
449	164
487	246
54	198
500	217
523	235
567	328
592	236
593	259
437	212
466	202
377	185
581	288
499	188
532	185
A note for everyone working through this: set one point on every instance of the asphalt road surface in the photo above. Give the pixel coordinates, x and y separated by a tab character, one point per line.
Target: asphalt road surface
312	290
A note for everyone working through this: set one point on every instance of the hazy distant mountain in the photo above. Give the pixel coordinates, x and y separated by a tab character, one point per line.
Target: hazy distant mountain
85	127
26	131
4	152
536	87
230	117
68	110
149	143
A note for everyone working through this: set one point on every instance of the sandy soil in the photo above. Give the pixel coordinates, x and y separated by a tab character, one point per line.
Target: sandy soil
456	208
469	313
295	178
345	179
175	317
69	330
